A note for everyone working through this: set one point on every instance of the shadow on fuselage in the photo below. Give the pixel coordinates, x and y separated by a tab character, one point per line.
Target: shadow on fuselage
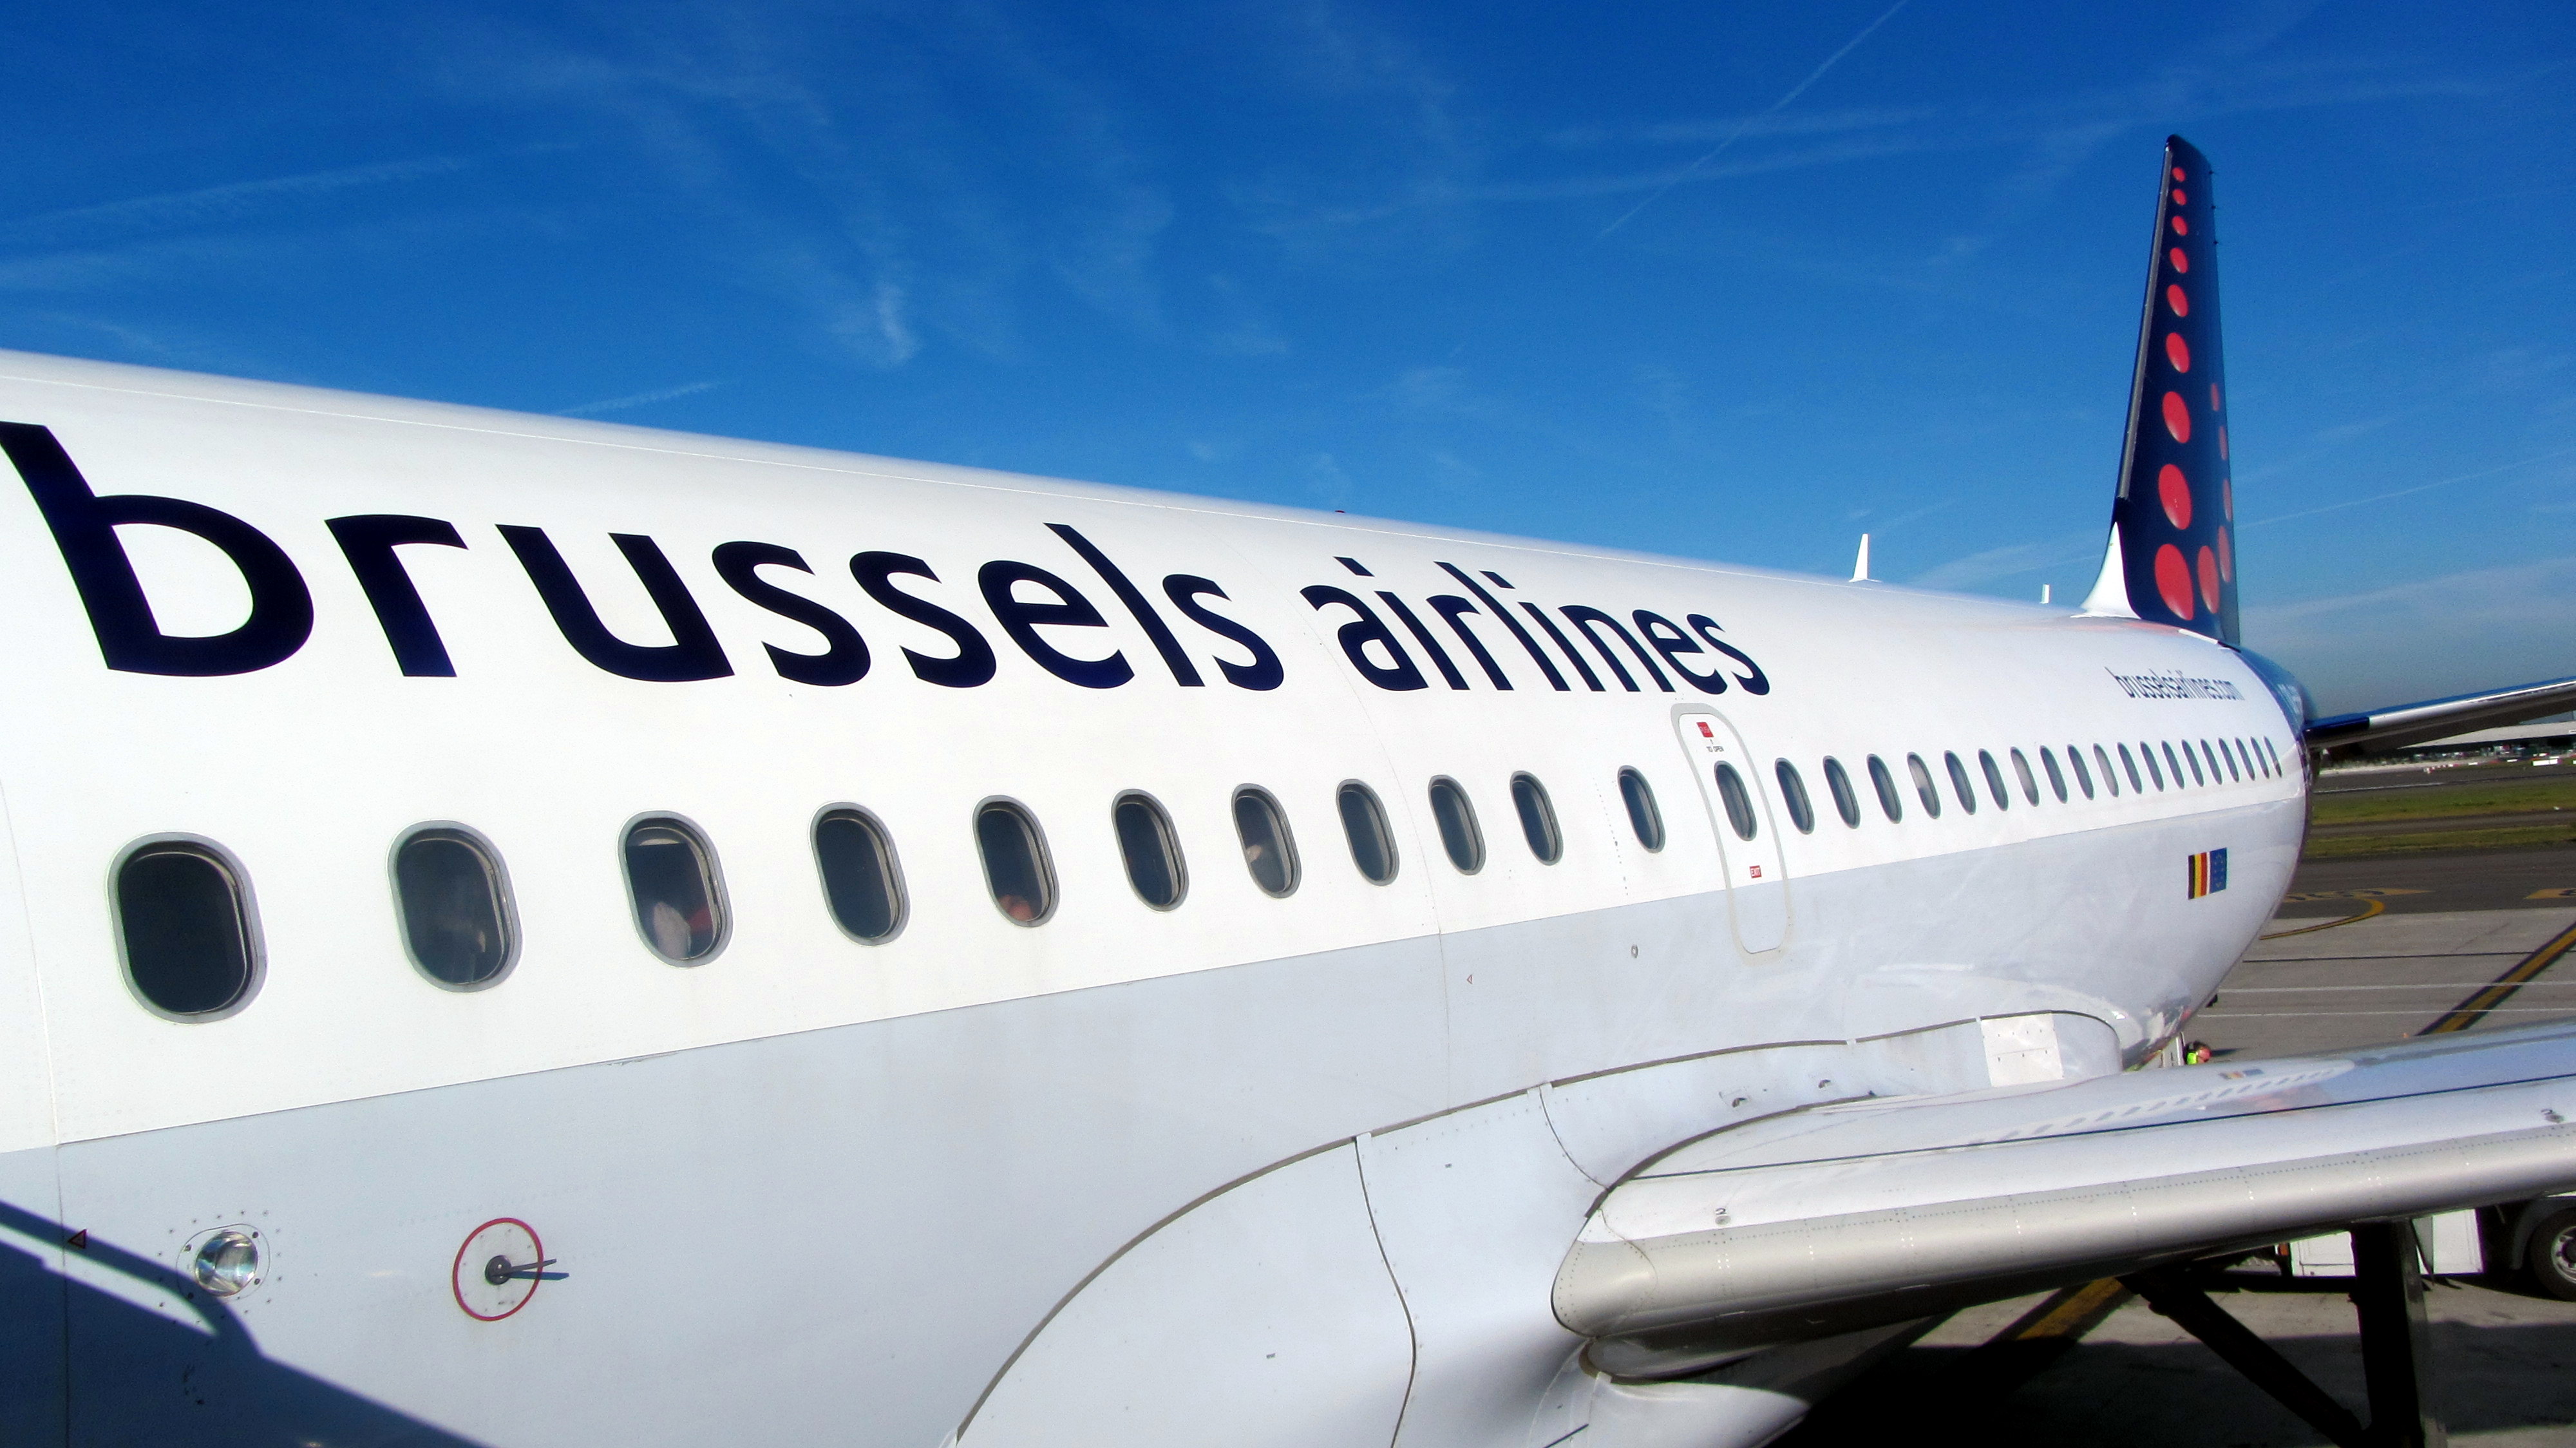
83	1365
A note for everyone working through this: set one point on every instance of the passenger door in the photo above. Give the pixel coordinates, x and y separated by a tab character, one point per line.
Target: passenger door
1733	788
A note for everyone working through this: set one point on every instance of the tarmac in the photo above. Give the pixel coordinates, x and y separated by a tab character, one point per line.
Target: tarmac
2364	950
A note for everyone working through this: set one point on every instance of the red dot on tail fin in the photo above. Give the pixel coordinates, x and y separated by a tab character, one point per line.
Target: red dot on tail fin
2177	417
2180	262
2179	198
2177	173
2175	494
2176	352
2173	581
2181	227
2226	557
2209	579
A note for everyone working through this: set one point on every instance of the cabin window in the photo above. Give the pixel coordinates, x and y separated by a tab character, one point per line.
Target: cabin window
861	882
2110	780
2056	776
1793	792
1643	816
1016	868
671	878
1269	851
1890	803
453	902
1994	779
1456	818
2233	747
184	922
2206	753
2083	775
1364	824
1152	853
1538	818
1959	784
2155	771
1738	802
2129	766
2176	766
1846	801
2021	770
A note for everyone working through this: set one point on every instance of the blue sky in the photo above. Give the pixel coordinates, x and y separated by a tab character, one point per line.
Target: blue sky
1722	281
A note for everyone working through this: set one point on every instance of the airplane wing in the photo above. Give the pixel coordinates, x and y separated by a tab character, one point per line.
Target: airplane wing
2380	730
1857	1215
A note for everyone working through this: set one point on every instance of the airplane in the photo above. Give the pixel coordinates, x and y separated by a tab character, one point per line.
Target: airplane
533	931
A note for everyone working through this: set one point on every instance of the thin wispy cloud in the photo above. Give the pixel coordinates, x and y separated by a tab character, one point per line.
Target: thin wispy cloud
2337	507
639	399
1758	124
2471	629
1992	565
2058	135
216	205
1350	250
1781	104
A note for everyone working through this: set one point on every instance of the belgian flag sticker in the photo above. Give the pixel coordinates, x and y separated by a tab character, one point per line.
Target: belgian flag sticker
2208	873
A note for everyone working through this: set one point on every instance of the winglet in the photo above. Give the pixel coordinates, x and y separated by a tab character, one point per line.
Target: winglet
1860	565
2172	557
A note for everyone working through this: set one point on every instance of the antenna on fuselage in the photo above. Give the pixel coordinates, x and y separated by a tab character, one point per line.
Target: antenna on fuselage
2043	593
1860	565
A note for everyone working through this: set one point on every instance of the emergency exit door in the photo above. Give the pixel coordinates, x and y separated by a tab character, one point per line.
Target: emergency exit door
1733	788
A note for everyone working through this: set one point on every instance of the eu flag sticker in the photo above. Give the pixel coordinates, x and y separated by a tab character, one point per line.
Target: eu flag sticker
2208	873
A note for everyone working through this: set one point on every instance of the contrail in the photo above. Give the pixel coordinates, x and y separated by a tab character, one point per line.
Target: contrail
1741	126
640	399
2402	492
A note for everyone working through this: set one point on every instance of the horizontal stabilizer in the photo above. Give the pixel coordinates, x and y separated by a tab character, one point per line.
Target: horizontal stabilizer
1851	1216
2380	730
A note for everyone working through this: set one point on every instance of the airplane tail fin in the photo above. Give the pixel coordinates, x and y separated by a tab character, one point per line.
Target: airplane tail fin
2172	555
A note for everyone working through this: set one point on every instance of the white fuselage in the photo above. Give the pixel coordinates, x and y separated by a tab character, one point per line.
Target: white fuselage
819	1186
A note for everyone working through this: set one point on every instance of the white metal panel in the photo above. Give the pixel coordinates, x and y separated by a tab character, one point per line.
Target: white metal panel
1261	1317
1474	1210
2450	1243
1757	879
2021	1049
2329	1255
26	1064
1610	1123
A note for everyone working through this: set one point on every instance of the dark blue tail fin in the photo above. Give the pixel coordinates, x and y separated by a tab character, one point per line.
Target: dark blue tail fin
2172	557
